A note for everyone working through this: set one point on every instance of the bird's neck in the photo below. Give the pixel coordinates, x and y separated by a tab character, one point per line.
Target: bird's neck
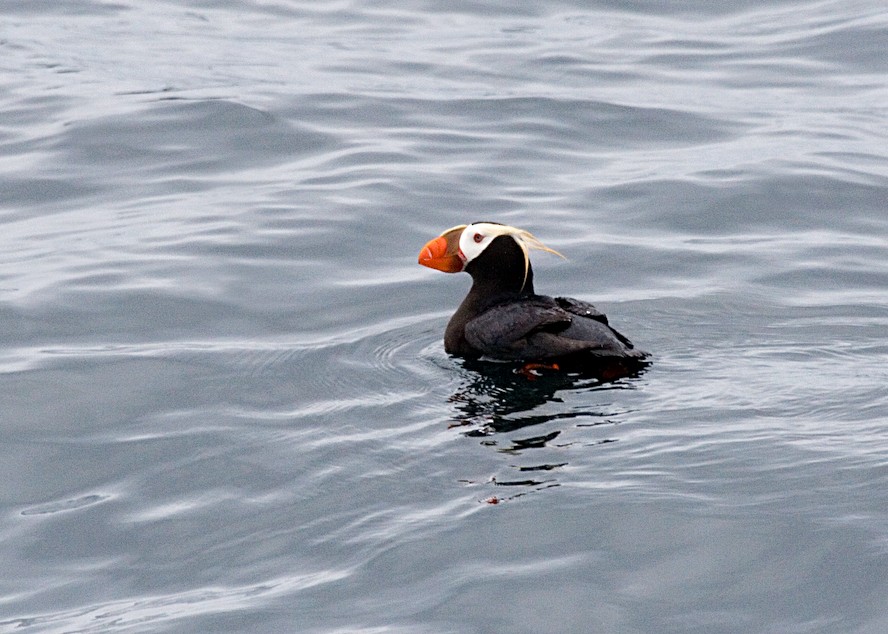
498	275
485	292
488	290
496	278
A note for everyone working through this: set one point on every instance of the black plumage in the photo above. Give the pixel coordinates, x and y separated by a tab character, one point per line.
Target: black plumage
502	318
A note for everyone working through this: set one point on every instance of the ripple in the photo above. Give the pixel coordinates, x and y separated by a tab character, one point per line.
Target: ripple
65	505
169	609
197	136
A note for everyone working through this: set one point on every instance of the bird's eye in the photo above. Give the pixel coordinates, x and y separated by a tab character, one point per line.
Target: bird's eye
478	237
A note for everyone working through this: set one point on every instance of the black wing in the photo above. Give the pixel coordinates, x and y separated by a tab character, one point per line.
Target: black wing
585	309
505	331
581	309
544	328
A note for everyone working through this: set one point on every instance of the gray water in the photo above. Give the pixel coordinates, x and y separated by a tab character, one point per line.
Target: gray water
225	404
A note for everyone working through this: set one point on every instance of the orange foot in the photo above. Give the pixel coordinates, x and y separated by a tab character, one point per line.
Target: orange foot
532	370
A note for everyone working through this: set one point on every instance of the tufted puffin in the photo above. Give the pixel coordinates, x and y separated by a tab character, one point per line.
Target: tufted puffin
503	319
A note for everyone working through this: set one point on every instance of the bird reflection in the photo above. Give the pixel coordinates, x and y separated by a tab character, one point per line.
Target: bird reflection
500	398
494	395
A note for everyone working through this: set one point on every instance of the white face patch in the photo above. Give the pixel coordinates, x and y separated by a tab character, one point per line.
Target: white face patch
478	236
475	238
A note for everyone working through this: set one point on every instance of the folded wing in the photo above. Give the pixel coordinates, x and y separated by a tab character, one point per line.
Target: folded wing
544	328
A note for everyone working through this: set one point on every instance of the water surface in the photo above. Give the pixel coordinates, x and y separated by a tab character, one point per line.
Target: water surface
225	401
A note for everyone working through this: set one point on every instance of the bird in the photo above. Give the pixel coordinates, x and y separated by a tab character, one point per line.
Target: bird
503	319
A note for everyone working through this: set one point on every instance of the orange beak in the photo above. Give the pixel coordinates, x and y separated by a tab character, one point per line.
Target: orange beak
442	253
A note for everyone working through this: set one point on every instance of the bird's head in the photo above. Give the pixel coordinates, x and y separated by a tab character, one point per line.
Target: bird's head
455	249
